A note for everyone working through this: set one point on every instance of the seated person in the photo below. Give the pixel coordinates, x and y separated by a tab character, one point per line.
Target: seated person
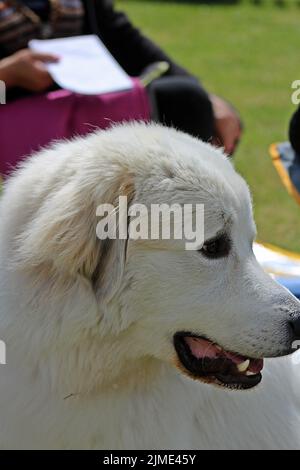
180	100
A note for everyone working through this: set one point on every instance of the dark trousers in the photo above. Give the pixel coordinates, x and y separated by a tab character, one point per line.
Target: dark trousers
181	102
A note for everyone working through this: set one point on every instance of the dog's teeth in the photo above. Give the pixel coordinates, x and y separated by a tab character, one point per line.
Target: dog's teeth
248	372
243	366
218	347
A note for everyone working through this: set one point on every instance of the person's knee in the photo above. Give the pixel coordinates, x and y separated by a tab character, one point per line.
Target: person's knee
183	103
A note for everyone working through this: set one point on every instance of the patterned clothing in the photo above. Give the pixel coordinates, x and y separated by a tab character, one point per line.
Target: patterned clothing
40	7
19	23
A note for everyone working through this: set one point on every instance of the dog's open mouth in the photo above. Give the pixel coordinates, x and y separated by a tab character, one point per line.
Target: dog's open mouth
205	360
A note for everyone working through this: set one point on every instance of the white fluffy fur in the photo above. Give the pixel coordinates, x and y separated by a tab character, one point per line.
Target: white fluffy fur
89	327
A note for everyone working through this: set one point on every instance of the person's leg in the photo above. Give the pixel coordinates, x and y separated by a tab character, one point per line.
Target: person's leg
182	103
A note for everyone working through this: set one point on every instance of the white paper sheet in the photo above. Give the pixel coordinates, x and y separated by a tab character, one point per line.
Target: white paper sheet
85	65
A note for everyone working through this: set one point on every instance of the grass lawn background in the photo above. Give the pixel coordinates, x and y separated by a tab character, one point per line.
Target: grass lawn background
249	54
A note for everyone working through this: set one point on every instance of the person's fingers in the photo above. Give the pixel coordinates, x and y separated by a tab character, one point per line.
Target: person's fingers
216	141
228	126
232	131
230	140
230	144
237	134
45	57
40	67
228	134
41	79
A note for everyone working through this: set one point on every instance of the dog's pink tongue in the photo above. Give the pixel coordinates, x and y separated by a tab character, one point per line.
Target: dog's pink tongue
201	347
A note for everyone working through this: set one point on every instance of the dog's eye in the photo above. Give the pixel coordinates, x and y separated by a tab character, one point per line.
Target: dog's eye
218	247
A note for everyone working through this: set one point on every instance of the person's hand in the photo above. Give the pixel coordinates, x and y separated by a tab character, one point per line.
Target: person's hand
228	127
26	69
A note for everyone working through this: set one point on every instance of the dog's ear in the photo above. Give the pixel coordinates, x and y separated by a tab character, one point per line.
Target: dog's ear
62	234
109	268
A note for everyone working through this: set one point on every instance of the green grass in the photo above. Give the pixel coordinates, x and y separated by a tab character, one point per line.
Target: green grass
250	55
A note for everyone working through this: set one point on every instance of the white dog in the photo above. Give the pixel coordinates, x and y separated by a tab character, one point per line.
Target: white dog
108	342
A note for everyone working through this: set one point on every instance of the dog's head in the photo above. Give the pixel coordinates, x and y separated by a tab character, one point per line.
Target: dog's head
211	312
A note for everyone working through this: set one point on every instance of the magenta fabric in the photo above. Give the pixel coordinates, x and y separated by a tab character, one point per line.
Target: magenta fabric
30	123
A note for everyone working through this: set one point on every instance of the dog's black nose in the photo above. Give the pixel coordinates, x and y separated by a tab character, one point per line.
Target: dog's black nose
295	327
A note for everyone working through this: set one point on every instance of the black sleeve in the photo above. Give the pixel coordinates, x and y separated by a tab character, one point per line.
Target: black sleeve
126	43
